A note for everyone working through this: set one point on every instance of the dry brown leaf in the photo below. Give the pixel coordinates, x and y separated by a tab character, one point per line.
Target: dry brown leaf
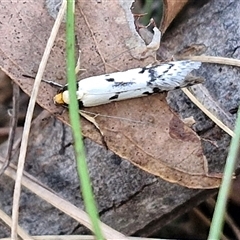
155	140
171	9
161	144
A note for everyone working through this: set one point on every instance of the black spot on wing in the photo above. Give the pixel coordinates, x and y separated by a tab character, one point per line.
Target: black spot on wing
154	75
110	79
147	93
154	90
170	65
157	90
114	97
143	70
123	84
119	84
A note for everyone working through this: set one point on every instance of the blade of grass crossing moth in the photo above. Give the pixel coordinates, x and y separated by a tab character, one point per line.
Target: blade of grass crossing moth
75	123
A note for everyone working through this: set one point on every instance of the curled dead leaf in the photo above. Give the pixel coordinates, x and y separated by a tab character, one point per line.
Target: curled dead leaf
171	9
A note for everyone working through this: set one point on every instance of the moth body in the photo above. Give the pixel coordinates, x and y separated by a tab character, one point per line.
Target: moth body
133	83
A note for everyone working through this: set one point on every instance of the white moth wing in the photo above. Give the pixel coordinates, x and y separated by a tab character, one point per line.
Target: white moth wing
90	100
112	87
134	83
114	82
172	75
166	76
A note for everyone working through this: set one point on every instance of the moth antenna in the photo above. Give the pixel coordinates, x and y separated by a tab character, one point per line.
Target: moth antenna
51	83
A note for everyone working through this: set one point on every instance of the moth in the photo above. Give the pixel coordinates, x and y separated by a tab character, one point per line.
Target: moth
133	83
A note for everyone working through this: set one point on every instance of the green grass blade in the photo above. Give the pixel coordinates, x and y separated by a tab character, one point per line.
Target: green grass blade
220	208
76	127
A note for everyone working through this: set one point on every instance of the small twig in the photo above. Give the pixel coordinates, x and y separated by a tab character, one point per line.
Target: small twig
207	112
61	204
12	132
21	232
214	143
27	125
4	131
213	59
95	115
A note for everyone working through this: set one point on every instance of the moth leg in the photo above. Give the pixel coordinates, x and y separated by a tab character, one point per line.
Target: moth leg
92	120
86	116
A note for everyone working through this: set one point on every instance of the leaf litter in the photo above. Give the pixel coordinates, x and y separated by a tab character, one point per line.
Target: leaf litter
161	144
